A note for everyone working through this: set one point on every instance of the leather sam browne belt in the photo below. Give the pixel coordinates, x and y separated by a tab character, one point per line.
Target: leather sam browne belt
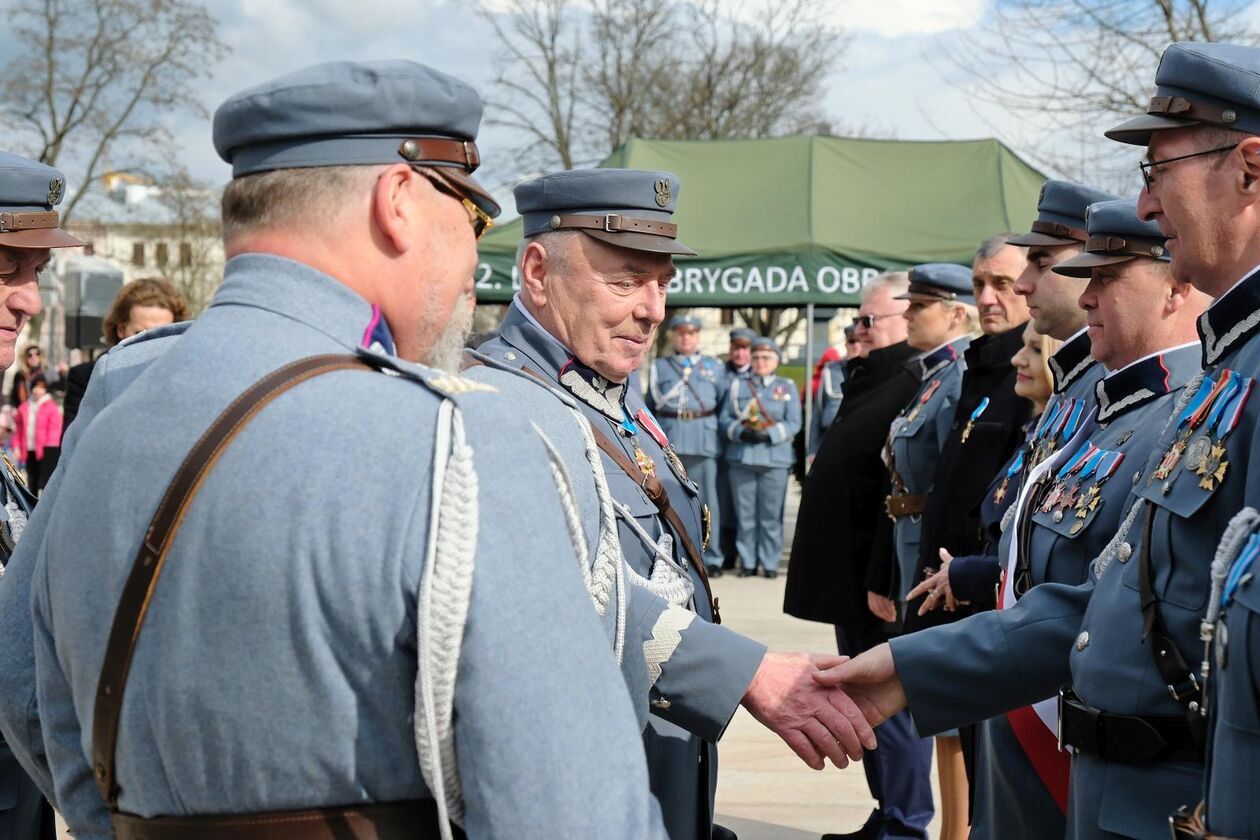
686	414
367	821
904	504
1124	739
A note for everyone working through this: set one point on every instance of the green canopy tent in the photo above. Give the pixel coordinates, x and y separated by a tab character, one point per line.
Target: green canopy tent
799	221
804	220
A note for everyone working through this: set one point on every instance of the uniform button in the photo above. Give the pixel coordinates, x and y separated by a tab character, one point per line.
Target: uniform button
1058	517
1124	552
661	704
510	356
1082	641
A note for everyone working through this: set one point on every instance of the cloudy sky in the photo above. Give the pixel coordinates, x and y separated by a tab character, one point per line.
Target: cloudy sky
890	80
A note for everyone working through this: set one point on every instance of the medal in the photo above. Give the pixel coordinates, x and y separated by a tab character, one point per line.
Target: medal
646	465
1197	452
1089	502
1000	494
975	415
676	463
706	523
1212	471
1169	462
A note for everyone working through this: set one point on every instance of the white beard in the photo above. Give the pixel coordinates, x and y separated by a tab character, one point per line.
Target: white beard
449	348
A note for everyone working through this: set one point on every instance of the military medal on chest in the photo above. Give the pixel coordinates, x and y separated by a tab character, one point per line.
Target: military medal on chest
1011	471
923	400
1202	428
975	415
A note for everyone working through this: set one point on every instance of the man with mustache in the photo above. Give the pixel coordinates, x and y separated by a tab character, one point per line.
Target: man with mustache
595	263
329	638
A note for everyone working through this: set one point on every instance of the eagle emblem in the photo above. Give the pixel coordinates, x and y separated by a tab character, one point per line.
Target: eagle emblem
662	193
56	187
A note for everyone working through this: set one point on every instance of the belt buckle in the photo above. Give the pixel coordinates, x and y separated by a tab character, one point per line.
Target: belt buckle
686	414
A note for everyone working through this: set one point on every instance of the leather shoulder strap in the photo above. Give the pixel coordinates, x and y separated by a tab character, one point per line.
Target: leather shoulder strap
138	591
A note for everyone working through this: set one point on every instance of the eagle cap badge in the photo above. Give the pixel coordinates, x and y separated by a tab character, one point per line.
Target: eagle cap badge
56	188
662	192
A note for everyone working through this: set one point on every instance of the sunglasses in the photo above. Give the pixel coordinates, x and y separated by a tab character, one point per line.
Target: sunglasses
478	218
868	321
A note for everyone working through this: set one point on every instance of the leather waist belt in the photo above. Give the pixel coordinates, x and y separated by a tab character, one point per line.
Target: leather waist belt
686	414
904	505
416	820
1124	739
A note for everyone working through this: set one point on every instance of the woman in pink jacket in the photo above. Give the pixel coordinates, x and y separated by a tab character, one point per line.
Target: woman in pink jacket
37	427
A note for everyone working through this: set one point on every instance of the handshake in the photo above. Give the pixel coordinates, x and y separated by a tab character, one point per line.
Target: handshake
826	707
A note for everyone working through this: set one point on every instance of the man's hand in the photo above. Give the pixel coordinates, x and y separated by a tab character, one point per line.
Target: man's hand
788	698
871	681
936	586
883	608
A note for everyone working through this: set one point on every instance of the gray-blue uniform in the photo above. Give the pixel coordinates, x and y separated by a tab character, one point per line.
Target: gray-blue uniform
681	751
760	417
917	435
29	195
726	503
1214	84
1136	750
685	394
826	402
288	656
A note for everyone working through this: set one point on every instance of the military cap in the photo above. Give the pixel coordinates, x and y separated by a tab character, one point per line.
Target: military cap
684	321
29	194
356	113
629	208
1116	235
764	343
934	282
742	337
1209	83
1061	214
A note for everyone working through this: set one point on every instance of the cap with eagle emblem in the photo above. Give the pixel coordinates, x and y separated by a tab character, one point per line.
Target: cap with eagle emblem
29	194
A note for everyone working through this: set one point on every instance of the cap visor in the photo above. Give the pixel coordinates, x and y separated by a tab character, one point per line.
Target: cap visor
1040	239
467	185
642	242
1082	265
39	238
1137	131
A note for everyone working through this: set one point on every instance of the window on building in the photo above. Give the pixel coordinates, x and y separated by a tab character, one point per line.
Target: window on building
185	254
89	248
137	253
728	317
162	255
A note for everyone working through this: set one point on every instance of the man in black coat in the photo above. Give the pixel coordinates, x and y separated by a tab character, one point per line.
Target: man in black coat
988	427
841	506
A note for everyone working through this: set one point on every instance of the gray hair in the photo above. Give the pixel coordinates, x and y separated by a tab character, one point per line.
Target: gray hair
897	282
555	242
313	197
990	247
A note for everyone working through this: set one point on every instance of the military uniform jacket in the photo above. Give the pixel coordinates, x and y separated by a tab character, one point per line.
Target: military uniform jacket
768	402
986	430
1070	515
284	628
826	401
843	498
679	390
914	444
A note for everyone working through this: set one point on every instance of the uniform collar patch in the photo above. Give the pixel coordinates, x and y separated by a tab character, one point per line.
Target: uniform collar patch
1070	361
1233	318
606	397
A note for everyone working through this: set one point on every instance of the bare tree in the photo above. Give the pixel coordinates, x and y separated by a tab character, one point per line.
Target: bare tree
1071	68
93	79
195	229
579	79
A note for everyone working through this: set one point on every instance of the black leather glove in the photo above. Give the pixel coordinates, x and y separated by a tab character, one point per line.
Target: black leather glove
754	435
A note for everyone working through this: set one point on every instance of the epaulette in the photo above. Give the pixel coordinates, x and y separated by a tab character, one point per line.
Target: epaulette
484	360
440	382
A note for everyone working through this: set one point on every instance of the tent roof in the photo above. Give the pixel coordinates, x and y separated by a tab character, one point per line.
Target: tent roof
868	201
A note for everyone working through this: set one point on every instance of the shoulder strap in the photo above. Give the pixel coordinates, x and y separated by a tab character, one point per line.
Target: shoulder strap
138	591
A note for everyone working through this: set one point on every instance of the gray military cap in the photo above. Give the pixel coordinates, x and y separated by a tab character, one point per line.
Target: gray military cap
764	343
1212	83
1116	235
742	336
29	194
1061	214
684	321
629	208
935	282
364	113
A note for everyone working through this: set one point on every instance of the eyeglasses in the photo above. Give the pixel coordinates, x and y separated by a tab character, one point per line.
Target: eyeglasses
478	218
868	321
1148	177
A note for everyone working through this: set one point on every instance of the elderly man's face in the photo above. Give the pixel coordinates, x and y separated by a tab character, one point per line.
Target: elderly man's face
686	340
19	294
1051	297
993	280
1124	308
1182	200
604	303
880	323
